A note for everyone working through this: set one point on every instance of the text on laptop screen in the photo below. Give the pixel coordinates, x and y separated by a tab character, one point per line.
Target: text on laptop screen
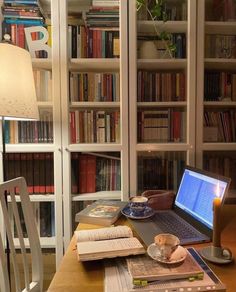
196	193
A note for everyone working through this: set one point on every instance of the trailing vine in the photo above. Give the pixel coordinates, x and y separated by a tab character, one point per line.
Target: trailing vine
156	11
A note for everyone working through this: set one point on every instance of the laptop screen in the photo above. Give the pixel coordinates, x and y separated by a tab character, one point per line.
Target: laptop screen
196	193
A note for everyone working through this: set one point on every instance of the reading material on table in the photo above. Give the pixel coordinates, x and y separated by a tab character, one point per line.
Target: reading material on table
101	212
94	244
145	268
118	279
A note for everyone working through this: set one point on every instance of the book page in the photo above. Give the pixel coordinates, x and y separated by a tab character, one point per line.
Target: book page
92	250
103	233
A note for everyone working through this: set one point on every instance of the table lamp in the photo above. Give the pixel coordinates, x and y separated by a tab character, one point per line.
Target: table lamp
216	253
17	93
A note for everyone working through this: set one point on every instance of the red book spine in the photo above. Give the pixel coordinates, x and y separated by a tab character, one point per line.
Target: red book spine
72	127
42	174
91	174
82	174
176	126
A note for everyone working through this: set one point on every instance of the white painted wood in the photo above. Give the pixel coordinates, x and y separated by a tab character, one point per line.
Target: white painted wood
132	96
56	92
34	282
124	113
64	83
200	81
191	81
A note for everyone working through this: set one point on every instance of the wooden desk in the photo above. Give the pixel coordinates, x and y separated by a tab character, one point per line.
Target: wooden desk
74	276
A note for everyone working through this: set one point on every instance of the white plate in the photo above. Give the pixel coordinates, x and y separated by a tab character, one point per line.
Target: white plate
177	256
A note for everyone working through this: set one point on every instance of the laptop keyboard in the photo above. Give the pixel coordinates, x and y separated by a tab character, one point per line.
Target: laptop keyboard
174	224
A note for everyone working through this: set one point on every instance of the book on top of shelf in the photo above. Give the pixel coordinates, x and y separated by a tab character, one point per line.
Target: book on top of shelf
109	242
101	212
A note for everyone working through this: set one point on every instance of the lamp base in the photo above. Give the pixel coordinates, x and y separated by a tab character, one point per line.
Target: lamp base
217	255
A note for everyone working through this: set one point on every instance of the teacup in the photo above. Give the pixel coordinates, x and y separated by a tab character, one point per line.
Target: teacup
167	243
138	205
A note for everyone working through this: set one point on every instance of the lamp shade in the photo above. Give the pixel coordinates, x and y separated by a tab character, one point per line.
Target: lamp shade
17	90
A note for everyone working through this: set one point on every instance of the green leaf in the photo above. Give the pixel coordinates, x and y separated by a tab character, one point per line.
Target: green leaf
156	11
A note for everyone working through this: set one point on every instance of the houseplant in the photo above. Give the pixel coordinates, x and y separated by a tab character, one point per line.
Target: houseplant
154	10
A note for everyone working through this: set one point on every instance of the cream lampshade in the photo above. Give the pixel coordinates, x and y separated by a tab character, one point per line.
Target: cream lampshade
17	89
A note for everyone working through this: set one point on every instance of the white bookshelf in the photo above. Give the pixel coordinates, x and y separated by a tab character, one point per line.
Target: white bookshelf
92	65
53	65
136	26
218	64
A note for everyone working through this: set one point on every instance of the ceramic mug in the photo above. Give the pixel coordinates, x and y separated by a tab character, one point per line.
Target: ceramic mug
138	205
166	243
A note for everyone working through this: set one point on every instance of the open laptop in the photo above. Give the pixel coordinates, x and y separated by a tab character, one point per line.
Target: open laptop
191	218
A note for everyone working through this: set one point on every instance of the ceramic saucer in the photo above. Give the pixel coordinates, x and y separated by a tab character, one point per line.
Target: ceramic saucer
148	212
177	256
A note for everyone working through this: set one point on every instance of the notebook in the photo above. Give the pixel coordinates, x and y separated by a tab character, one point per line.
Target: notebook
191	218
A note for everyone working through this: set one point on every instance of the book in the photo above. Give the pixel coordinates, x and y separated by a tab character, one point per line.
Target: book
101	212
117	278
144	268
107	242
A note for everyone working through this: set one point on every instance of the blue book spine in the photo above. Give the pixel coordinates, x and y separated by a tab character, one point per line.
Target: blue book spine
24	21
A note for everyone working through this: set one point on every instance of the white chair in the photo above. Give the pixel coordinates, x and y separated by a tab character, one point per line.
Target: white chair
33	271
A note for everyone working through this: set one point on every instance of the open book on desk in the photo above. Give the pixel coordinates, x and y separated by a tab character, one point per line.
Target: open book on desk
109	242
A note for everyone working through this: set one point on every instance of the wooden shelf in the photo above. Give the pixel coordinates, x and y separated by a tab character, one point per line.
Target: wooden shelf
95	65
147	26
166	64
105	195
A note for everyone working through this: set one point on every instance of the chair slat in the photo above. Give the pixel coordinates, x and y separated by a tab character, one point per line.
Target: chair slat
34	283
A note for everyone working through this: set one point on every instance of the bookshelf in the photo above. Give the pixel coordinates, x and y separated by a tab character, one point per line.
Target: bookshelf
27	139
172	148
215	140
100	111
112	126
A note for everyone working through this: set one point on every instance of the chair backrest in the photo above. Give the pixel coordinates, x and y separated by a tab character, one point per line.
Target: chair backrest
16	192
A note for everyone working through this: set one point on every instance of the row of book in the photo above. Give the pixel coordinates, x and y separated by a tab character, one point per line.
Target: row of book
219	86
161	86
176	39
87	42
94	172
170	11
90	126
36	168
94	86
44	217
222	164
21	14
161	126
30	131
222	124
220	46
159	172
219	10
43	84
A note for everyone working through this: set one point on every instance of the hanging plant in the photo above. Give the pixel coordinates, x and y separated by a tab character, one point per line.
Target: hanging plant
156	12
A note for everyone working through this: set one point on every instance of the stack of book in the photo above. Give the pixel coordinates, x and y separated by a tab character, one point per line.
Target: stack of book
19	14
140	273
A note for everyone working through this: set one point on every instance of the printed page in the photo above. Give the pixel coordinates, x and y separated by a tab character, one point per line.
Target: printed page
91	250
103	233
